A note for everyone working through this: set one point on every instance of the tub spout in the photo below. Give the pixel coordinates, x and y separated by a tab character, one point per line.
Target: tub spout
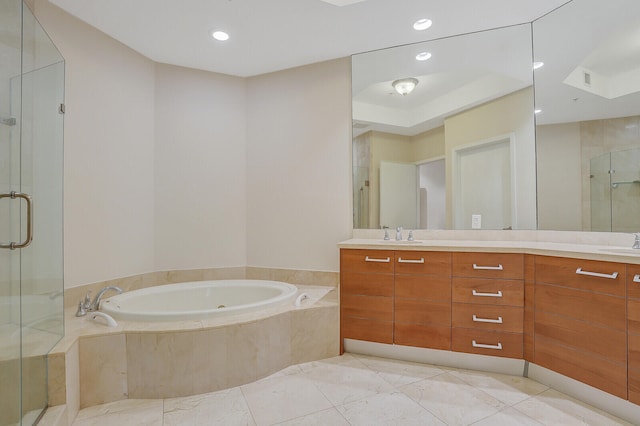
95	305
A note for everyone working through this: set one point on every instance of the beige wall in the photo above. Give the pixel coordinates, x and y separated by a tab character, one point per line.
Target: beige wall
299	166
559	177
510	114
200	169
109	152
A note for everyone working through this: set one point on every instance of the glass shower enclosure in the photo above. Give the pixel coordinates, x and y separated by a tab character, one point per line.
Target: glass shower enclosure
31	266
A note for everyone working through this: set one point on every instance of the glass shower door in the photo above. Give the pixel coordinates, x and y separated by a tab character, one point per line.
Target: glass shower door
31	279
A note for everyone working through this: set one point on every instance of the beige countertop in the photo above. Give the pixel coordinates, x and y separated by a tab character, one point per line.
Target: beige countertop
578	251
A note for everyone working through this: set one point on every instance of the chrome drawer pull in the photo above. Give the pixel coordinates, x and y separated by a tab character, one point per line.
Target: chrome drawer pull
636	278
372	259
489	268
494	321
401	260
483	346
476	293
613	276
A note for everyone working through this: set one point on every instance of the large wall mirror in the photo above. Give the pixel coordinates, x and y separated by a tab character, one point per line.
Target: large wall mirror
458	151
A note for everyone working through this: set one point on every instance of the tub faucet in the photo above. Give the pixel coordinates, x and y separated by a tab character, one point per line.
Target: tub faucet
96	301
636	243
86	305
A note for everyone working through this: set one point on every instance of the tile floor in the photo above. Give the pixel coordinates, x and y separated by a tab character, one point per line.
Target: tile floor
361	390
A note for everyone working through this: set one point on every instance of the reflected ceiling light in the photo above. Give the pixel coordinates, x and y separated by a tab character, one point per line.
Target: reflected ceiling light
537	111
404	86
422	24
423	56
537	65
220	35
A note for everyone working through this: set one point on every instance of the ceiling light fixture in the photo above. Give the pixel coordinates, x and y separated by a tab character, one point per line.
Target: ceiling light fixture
422	24
404	86
537	65
220	35
423	56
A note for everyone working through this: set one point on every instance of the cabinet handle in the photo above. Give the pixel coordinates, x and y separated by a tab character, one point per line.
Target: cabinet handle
489	268
372	259
494	321
636	278
401	260
482	345
476	293
613	276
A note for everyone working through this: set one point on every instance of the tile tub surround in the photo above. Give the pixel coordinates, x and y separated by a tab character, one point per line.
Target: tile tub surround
94	364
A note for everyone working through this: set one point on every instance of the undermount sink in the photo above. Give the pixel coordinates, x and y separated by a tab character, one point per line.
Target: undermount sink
630	251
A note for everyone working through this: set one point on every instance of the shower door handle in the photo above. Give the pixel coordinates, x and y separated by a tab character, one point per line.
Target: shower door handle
13	195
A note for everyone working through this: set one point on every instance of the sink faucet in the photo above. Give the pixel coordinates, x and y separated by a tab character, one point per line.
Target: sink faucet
399	233
636	243
86	305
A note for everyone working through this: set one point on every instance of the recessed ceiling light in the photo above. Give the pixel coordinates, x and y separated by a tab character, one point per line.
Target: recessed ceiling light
423	56
422	24
220	35
537	65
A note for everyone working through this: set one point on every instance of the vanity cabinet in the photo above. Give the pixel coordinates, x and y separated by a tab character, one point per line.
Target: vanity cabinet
422	303
488	304
366	295
633	325
580	321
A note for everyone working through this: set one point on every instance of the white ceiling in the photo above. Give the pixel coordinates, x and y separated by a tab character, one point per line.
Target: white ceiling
271	35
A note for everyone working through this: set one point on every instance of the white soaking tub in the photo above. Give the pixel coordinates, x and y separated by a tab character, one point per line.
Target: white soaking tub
198	300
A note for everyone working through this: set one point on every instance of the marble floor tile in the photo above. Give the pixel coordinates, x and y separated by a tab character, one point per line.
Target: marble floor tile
329	417
505	388
283	398
388	409
226	407
554	408
126	412
399	373
452	400
357	390
345	380
508	417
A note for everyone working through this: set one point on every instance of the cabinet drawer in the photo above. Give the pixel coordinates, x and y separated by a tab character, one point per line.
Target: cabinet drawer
593	370
483	342
423	336
373	307
423	287
367	329
369	284
599	309
369	261
633	316
487	317
488	291
634	387
423	262
591	275
633	281
587	337
412	311
488	265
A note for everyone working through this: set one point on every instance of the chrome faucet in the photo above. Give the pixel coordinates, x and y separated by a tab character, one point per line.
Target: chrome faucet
636	243
86	305
399	233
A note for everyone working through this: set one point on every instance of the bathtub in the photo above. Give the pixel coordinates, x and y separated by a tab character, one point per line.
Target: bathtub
198	300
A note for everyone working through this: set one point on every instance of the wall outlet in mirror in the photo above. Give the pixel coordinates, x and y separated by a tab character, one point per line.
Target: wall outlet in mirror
476	221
